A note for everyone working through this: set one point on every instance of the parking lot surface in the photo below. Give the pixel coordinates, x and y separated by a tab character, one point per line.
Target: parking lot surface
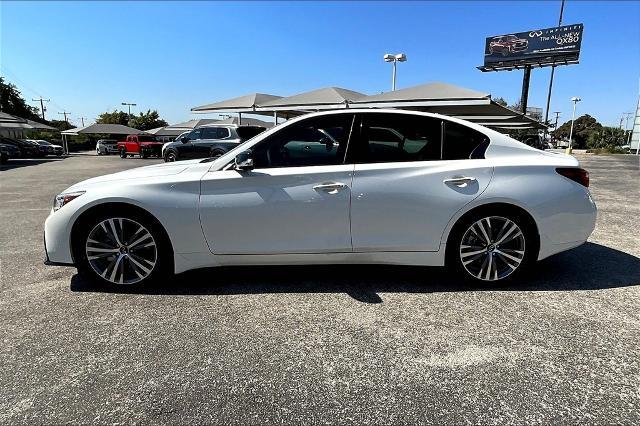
348	344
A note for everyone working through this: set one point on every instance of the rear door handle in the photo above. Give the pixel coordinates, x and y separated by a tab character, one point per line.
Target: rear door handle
330	187
460	180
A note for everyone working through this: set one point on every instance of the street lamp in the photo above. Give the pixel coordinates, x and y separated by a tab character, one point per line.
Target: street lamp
129	105
575	101
399	57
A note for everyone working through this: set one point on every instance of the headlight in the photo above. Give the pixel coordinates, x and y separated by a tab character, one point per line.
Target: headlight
62	199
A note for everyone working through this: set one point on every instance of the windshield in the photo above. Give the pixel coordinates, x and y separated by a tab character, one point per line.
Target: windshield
43	143
143	138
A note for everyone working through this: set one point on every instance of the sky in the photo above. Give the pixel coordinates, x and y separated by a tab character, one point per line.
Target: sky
88	57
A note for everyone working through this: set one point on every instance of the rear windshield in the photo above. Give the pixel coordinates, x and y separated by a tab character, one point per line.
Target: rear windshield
247	132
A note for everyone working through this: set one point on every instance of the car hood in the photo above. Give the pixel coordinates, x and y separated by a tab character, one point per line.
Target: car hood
166	169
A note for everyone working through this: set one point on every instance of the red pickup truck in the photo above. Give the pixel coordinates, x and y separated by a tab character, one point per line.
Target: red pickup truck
143	145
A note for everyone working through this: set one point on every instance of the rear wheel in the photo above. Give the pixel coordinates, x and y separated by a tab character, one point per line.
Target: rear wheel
492	247
122	248
144	153
98	152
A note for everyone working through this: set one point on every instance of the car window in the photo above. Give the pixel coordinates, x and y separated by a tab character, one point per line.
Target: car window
461	142
247	132
195	134
389	138
316	141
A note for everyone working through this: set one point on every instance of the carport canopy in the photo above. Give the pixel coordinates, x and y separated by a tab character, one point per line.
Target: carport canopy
246	103
320	99
110	129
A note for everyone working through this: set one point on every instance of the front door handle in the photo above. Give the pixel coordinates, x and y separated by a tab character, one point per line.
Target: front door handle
330	187
460	181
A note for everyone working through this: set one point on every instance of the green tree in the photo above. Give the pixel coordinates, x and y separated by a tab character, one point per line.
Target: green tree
501	101
60	125
115	117
607	137
148	120
11	102
583	128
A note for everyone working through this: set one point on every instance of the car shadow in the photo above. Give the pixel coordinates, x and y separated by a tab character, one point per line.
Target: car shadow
588	267
23	162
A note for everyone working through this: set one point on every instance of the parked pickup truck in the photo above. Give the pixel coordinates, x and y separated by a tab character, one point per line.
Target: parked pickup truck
143	145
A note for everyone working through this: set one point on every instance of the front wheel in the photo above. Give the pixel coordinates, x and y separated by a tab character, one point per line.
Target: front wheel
171	156
122	248
492	248
123	153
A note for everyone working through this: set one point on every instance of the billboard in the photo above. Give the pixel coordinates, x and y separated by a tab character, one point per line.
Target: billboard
538	47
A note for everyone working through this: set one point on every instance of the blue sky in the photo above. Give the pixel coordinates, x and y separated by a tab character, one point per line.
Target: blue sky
88	57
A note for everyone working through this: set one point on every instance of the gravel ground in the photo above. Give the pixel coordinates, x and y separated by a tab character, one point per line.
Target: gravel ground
349	344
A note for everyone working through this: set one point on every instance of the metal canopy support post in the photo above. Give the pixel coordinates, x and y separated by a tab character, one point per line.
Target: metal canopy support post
239	119
525	88
275	118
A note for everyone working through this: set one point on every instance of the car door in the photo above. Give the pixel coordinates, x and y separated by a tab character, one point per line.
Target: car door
412	174
295	200
188	148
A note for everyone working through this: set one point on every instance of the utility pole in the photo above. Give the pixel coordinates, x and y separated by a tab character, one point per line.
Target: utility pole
626	124
82	119
557	113
553	70
65	115
42	108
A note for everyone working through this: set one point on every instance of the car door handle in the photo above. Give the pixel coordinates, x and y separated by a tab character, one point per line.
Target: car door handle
330	187
460	180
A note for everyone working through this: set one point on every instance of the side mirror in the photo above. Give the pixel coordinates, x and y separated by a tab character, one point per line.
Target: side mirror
184	139
243	161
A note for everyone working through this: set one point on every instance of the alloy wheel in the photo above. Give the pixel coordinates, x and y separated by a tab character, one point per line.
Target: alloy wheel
492	248
121	251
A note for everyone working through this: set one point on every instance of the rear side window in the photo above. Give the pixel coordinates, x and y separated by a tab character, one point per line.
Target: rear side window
247	132
214	132
461	142
389	138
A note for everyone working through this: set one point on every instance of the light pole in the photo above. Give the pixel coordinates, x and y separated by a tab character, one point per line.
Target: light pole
399	57
129	105
575	101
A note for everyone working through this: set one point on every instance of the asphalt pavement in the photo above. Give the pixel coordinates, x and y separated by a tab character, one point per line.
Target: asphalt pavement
335	344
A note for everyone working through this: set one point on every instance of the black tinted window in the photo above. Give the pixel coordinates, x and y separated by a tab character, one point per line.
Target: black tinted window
214	132
315	141
196	134
247	132
399	137
461	142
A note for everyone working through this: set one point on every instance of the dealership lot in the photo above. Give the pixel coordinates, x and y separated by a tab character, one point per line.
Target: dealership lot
320	344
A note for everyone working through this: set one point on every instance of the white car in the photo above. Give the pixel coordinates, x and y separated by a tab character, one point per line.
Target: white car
106	146
349	186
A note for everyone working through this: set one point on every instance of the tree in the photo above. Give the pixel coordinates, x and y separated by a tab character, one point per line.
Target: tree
501	101
583	127
607	137
115	117
60	125
148	120
11	102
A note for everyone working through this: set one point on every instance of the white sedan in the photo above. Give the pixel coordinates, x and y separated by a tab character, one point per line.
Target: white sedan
349	186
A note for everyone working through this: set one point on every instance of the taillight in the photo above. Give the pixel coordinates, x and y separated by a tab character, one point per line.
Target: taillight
575	174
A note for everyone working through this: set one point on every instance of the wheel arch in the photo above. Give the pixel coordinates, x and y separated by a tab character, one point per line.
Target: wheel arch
493	207
116	206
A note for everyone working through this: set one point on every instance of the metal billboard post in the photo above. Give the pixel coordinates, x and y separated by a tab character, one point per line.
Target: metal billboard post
524	98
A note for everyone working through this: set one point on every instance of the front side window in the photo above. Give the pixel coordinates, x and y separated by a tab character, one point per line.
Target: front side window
317	141
387	138
195	134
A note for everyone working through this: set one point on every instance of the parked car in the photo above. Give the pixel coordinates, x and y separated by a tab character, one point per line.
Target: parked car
106	146
177	139
27	149
209	141
8	152
143	145
52	149
331	187
508	44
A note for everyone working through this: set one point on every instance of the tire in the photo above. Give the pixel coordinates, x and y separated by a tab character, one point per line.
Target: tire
216	152
492	246
171	156
140	250
144	153
123	153
97	152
